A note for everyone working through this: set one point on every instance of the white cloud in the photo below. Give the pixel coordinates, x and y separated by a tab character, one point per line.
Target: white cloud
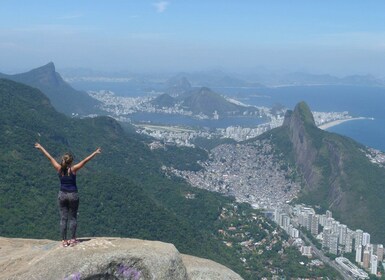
161	6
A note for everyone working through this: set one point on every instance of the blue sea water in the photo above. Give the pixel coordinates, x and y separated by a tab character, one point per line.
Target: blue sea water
359	101
368	132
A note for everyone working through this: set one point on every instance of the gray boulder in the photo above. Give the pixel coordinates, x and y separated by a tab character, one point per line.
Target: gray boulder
103	258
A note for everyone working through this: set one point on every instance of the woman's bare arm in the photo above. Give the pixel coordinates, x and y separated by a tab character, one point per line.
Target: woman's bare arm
55	164
80	165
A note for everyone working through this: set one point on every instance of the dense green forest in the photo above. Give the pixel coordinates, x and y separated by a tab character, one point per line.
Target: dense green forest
123	191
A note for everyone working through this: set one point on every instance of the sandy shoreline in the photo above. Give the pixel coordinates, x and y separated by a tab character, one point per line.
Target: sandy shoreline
337	122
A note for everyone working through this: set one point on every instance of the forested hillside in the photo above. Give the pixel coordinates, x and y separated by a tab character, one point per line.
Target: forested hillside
123	191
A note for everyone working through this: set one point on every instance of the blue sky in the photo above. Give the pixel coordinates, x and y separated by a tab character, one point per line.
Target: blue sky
325	36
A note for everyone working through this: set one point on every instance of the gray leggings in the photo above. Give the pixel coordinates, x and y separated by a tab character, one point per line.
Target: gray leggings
68	206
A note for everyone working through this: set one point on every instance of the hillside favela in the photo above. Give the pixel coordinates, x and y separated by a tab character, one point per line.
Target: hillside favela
204	140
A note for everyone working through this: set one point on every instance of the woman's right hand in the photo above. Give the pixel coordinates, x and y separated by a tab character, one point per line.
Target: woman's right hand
38	146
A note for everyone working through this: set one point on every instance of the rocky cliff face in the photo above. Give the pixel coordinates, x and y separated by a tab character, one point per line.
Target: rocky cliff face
103	258
336	171
319	157
298	122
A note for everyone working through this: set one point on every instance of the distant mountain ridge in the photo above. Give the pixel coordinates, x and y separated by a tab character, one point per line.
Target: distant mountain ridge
215	78
63	97
201	100
258	77
336	172
263	77
206	101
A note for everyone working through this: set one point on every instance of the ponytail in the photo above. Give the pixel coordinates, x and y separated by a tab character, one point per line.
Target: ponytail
65	164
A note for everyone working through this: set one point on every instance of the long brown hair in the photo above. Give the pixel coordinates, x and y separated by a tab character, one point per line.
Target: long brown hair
65	164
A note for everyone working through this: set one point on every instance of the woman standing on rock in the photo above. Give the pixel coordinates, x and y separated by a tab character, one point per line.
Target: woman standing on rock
68	195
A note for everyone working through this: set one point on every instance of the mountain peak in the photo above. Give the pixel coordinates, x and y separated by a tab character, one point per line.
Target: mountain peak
43	75
48	69
205	90
50	66
178	86
62	96
179	82
300	115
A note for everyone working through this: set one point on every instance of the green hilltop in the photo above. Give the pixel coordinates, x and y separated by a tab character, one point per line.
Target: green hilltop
336	173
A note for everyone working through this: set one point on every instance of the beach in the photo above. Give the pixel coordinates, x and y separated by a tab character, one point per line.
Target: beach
337	122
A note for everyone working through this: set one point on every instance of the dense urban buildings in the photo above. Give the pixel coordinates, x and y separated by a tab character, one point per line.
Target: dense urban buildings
336	238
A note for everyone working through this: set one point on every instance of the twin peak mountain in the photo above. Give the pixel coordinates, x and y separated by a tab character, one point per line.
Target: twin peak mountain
336	171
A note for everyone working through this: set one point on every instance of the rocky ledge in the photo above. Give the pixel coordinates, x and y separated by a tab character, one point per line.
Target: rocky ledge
104	258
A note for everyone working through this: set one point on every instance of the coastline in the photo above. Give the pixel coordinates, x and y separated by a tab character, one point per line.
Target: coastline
338	122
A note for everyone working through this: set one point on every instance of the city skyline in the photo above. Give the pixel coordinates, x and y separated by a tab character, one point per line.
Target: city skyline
338	38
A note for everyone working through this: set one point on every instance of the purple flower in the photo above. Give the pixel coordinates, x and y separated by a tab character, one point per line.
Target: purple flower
129	272
136	275
75	276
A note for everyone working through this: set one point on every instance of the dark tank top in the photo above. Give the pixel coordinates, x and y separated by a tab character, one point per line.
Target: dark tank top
68	182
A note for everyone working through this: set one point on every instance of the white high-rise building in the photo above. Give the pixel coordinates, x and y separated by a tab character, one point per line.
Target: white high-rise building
295	233
314	225
302	219
349	241
380	252
373	264
283	220
329	222
326	236
328	214
276	216
322	220
365	239
333	244
308	221
358	238
335	227
342	234
359	254
330	241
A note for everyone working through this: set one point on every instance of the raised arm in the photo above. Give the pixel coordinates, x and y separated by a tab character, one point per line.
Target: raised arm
80	165
55	164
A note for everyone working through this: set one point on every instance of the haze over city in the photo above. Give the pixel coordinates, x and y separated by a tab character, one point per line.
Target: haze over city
333	37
